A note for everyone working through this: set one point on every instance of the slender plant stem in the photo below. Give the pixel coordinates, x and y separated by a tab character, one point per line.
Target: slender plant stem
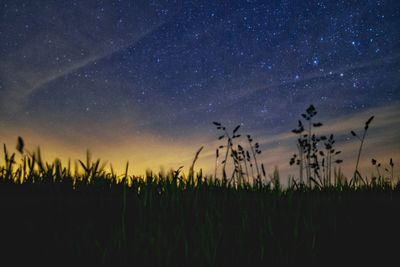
308	154
301	163
245	166
359	155
255	162
226	158
216	164
330	167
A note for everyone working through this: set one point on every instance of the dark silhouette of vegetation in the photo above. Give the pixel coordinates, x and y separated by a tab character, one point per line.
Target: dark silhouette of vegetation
52	214
87	215
244	160
309	153
357	175
379	178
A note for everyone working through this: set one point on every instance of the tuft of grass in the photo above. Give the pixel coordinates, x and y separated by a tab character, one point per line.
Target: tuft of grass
310	158
244	160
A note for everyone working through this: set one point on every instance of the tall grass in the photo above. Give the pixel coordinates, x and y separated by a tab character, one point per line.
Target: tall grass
55	214
174	221
357	176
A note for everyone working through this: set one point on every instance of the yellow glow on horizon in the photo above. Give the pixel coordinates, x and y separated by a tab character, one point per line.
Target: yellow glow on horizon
150	151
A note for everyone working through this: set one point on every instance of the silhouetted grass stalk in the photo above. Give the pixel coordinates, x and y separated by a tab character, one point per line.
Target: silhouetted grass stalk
191	170
356	172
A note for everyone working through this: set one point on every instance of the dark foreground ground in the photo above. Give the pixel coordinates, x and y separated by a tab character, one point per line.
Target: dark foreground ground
165	224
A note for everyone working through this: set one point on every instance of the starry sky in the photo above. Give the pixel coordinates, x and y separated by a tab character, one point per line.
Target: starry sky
143	80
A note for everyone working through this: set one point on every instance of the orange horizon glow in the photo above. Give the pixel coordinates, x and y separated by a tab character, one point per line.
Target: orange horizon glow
157	152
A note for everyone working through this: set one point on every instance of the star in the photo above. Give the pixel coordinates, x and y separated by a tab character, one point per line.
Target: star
169	68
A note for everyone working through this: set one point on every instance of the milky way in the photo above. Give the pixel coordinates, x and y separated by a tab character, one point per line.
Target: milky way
81	74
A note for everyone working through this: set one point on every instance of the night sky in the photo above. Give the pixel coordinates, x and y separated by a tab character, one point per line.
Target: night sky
143	80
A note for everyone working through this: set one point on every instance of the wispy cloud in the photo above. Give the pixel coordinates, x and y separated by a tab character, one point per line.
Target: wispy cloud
257	86
50	56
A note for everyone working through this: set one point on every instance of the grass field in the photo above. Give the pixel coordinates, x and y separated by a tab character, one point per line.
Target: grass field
82	214
57	218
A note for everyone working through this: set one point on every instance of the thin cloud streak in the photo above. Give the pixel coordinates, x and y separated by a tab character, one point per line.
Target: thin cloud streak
26	82
250	90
